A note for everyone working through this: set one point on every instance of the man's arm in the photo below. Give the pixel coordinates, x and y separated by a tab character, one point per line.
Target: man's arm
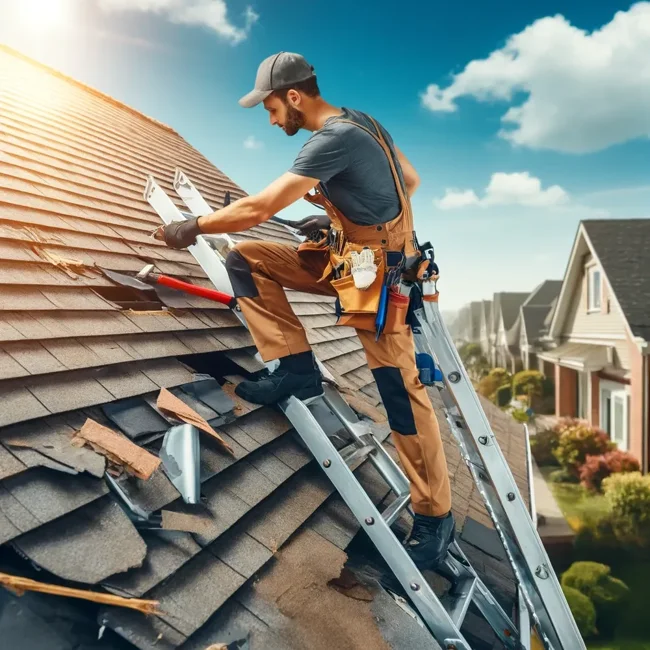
240	215
253	210
411	177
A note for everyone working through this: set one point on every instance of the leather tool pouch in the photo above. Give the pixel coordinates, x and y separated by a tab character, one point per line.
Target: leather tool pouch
398	306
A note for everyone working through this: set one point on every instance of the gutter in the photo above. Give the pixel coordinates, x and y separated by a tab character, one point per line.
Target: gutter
529	472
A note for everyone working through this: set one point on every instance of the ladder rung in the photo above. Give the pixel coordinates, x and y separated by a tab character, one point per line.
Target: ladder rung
353	454
392	512
457	603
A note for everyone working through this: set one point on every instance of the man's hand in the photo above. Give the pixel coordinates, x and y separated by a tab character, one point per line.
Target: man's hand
179	234
311	224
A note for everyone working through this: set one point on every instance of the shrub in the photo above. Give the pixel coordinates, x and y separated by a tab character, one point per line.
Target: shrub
629	497
489	384
608	594
562	476
504	395
577	442
583	611
528	382
598	468
542	445
521	415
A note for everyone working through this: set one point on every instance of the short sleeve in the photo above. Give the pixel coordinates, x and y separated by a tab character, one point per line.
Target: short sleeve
323	156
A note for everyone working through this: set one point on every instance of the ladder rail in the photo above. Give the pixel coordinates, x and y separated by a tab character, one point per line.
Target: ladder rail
540	586
431	610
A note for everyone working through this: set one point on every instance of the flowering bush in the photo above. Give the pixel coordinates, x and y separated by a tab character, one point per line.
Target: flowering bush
628	495
577	441
598	468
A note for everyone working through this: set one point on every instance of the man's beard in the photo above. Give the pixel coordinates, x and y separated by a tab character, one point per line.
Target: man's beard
294	121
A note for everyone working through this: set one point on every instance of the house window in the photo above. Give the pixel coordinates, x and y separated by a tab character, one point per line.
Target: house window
593	289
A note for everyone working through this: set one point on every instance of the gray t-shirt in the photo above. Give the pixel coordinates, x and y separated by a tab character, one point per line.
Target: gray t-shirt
353	170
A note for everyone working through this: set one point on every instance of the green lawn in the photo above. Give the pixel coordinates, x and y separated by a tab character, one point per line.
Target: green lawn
580	506
577	504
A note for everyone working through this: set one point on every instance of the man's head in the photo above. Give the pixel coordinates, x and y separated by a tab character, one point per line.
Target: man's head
286	85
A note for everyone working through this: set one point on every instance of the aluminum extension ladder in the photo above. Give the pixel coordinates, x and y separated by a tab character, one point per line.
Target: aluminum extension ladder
544	615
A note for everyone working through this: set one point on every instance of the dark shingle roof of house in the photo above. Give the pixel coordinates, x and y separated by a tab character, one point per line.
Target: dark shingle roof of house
74	346
534	317
545	293
509	304
622	247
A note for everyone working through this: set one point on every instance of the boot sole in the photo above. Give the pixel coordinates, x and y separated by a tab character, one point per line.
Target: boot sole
301	394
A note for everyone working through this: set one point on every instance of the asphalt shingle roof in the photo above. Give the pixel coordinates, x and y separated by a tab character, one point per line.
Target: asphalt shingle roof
622	247
74	346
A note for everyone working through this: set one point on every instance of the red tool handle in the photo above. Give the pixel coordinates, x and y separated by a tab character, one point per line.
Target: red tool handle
210	294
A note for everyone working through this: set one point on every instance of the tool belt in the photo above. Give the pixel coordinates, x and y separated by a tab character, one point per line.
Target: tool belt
362	308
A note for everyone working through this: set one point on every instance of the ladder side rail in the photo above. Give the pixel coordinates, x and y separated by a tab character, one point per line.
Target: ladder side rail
202	252
433	613
559	620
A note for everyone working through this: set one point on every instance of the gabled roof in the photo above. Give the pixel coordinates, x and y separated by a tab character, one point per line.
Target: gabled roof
533	318
74	346
507	305
545	293
622	247
619	246
476	312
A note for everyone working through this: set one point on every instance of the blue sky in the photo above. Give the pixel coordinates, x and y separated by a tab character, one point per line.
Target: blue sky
500	200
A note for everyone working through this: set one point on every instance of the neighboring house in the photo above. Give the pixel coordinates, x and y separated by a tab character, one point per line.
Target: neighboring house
505	353
467	328
485	336
74	345
530	325
600	330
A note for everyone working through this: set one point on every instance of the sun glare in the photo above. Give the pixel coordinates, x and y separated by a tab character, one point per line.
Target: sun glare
44	14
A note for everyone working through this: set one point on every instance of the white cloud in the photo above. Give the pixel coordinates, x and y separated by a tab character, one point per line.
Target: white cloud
585	91
251	142
518	188
212	14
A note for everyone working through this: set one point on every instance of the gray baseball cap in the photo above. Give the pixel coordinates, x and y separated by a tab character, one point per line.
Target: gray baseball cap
275	72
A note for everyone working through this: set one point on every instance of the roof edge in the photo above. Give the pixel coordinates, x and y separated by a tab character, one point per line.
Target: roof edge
94	91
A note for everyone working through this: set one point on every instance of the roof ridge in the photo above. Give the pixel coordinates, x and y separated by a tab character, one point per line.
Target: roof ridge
90	89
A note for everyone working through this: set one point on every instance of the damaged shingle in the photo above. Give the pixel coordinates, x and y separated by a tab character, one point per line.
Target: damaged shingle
135	417
102	535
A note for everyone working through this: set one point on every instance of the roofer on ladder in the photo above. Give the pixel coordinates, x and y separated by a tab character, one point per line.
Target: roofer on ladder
364	184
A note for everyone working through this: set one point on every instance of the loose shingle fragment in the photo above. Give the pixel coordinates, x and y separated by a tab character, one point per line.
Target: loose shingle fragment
117	447
172	405
87	545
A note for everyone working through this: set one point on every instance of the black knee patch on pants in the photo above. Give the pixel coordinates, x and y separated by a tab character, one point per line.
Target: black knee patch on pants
396	400
240	275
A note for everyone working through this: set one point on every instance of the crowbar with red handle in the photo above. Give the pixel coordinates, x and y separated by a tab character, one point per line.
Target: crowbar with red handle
144	280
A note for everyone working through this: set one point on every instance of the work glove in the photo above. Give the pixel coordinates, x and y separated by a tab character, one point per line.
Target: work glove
179	234
312	224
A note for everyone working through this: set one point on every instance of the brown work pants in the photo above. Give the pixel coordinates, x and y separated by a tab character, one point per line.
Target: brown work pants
258	271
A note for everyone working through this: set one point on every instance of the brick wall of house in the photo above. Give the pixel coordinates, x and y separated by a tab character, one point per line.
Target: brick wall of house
595	400
565	392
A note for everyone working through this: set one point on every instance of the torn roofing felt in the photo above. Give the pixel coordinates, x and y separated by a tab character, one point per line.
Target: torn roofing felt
75	347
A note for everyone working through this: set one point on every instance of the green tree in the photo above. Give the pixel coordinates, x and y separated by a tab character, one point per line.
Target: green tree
474	360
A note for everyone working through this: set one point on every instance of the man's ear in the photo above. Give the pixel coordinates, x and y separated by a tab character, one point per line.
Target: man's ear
294	98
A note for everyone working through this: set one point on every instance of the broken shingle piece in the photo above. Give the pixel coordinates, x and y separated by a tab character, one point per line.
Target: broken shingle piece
175	407
115	446
78	459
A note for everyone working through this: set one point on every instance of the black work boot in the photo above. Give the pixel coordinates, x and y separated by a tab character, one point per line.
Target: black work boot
429	540
297	375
